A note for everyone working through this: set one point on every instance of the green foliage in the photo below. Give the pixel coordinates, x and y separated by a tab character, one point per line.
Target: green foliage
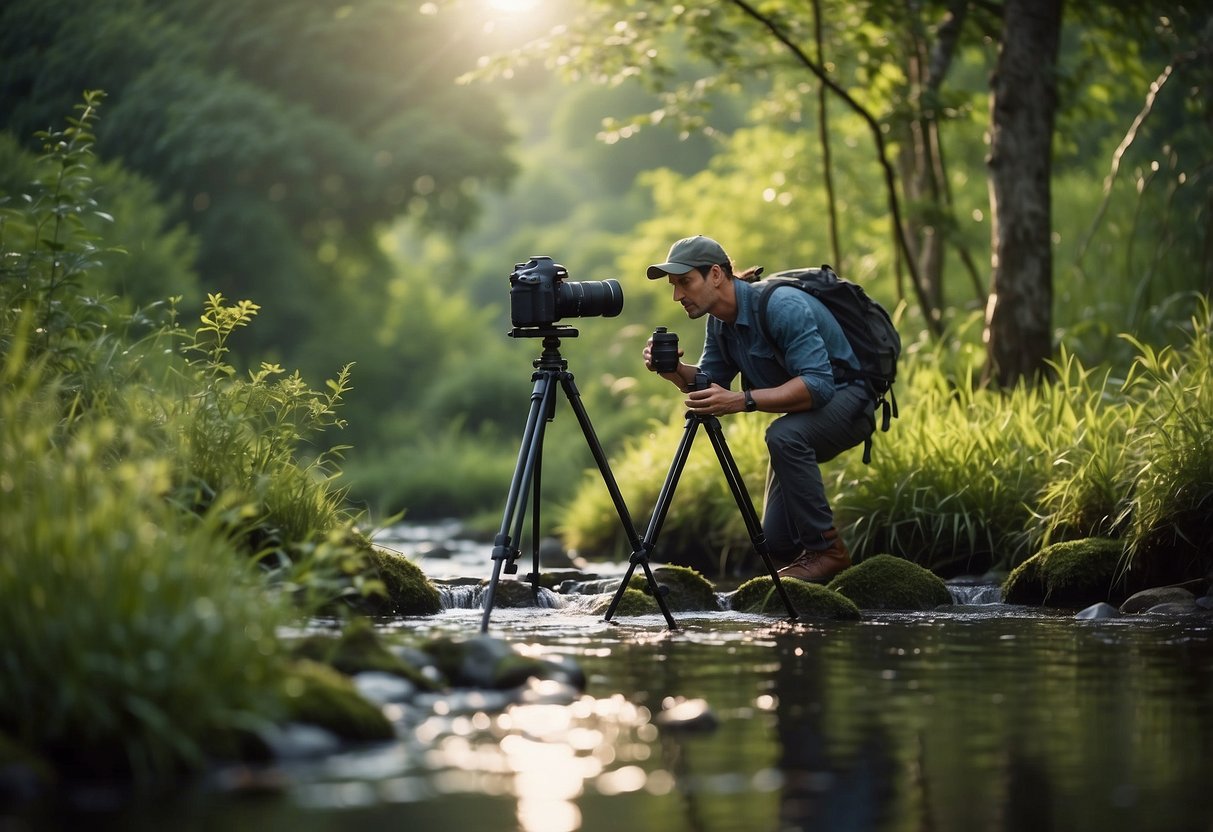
140	637
135	639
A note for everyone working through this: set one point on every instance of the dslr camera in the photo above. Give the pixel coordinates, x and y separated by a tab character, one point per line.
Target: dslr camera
541	294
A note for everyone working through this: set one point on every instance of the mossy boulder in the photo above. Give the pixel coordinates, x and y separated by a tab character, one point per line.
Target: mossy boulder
632	602
320	695
759	595
885	582
688	589
408	591
1072	574
358	649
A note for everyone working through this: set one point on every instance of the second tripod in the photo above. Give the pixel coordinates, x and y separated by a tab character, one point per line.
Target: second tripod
640	556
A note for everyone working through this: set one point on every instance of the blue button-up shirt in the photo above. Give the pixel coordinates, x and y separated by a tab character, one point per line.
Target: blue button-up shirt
804	339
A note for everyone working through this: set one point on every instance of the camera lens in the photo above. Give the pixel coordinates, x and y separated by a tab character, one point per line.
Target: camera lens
589	298
664	353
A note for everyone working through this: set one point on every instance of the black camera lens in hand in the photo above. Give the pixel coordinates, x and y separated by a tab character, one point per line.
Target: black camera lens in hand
664	353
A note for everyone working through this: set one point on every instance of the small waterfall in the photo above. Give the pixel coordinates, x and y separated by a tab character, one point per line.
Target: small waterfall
975	594
470	596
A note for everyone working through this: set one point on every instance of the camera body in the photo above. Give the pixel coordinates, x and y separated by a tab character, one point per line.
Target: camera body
541	294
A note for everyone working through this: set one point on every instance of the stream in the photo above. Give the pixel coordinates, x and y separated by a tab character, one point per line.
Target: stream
980	716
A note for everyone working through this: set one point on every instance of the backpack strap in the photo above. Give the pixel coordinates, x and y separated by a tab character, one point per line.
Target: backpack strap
844	373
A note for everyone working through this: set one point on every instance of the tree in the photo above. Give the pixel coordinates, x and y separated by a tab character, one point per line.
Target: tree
890	64
1022	109
285	132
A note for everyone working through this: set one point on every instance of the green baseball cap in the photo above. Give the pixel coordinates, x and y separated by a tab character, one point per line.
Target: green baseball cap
689	253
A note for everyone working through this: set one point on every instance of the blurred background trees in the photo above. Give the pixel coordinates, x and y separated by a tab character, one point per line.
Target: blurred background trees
358	171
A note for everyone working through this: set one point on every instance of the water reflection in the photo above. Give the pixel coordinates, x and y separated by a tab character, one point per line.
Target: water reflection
1001	720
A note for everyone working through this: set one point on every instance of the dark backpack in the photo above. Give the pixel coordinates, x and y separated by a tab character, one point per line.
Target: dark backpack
864	322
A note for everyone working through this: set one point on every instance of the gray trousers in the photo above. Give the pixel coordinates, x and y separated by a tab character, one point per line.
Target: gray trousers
796	511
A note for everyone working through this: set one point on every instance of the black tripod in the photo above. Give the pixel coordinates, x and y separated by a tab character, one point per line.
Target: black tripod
732	475
550	368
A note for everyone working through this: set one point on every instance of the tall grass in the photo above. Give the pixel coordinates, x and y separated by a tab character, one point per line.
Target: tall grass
971	479
135	640
1171	516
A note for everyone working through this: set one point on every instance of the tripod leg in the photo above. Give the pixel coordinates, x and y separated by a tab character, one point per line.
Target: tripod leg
742	495
640	554
604	467
524	469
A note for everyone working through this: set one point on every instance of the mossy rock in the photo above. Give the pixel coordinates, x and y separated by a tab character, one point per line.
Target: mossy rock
632	602
759	595
320	695
688	589
885	582
358	649
409	591
1073	574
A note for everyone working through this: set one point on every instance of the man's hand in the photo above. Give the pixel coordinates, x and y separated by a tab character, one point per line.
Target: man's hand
715	401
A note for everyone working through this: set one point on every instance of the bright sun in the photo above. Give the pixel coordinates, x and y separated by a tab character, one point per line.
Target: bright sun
514	6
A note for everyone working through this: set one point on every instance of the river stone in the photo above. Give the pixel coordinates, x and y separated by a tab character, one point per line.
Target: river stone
384	688
1147	598
1097	611
678	714
1175	608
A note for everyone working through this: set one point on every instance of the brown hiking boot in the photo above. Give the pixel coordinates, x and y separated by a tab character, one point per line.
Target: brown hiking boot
819	565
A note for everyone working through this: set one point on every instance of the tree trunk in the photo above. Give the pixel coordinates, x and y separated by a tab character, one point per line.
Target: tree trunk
1019	314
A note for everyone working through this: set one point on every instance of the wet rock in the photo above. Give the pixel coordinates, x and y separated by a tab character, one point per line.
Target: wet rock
1175	608
297	740
678	714
885	582
1147	598
358	649
515	594
384	688
487	662
1098	611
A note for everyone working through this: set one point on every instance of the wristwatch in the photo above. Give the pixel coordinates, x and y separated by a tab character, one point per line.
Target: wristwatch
750	404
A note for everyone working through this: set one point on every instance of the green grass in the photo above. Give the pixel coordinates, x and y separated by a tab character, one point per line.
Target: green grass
971	479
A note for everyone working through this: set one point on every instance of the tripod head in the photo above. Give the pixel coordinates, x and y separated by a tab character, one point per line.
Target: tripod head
543	332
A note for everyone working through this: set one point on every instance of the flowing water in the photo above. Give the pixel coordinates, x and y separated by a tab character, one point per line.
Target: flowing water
979	717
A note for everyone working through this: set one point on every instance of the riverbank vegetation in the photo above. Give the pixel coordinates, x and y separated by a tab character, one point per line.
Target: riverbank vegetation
970	479
163	517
